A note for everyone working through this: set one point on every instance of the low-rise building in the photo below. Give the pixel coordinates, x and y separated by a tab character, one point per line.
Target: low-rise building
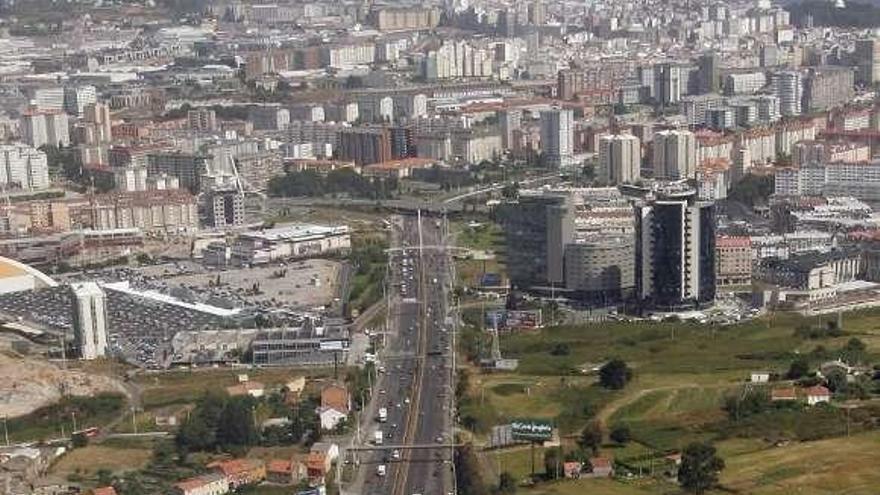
240	472
207	484
289	241
285	471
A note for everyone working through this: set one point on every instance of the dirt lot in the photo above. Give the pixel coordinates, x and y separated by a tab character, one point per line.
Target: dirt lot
29	384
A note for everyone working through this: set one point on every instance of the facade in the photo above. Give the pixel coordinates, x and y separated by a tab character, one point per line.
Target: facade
788	86
810	278
733	261
168	211
569	82
860	180
202	119
867	60
365	145
601	267
187	167
45	127
620	158
557	137
536	228
89	320
675	155
207	484
827	87
675	251
226	209
23	167
291	241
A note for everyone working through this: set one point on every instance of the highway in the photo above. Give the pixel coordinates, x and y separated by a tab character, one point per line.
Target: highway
415	380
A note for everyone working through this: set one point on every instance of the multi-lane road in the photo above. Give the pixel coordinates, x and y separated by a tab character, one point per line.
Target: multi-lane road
415	382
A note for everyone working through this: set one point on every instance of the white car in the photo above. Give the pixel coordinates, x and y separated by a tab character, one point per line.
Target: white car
380	470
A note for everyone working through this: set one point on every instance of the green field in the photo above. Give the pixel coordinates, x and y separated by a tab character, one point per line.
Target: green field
682	374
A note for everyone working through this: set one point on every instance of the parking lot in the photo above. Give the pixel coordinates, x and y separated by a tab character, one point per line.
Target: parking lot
294	285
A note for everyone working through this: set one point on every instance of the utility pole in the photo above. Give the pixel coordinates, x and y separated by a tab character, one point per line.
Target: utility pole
6	429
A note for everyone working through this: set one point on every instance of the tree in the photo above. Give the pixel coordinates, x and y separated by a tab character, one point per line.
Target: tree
836	380
236	427
615	374
621	434
467	472
800	367
699	469
506	484
591	437
854	351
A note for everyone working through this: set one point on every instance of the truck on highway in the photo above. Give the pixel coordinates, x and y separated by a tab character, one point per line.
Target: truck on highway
383	414
378	437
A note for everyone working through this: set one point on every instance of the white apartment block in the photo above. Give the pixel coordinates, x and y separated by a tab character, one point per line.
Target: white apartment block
675	154
744	83
39	128
23	167
557	137
89	320
620	158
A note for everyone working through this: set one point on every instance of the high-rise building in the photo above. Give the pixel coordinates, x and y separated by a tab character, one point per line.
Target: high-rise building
667	83
77	98
569	82
98	116
89	320
620	158
365	145
45	127
23	167
226	208
509	121
536	229
826	87
202	119
49	99
788	87
557	137
675	251
710	72
867	59
188	168
675	155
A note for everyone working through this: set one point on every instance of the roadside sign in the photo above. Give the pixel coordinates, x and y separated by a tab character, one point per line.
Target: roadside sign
531	430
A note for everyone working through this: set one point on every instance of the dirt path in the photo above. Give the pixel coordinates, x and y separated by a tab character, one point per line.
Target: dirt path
605	414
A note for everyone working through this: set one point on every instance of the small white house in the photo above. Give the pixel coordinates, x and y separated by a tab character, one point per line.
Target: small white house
817	395
330	417
760	377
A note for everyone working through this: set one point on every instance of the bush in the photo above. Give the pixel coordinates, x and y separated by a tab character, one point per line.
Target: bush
621	434
615	374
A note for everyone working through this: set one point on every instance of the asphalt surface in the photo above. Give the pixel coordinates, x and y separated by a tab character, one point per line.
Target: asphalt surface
415	383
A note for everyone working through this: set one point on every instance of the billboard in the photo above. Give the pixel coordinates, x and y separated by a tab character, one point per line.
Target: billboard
531	430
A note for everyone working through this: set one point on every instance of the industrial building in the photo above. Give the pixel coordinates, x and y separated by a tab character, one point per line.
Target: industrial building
289	241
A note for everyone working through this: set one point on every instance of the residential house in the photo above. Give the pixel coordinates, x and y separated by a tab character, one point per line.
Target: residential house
104	490
817	395
760	377
783	394
337	397
240	472
329	449
330	417
572	469
317	467
285	471
601	467
207	484
254	389
296	385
